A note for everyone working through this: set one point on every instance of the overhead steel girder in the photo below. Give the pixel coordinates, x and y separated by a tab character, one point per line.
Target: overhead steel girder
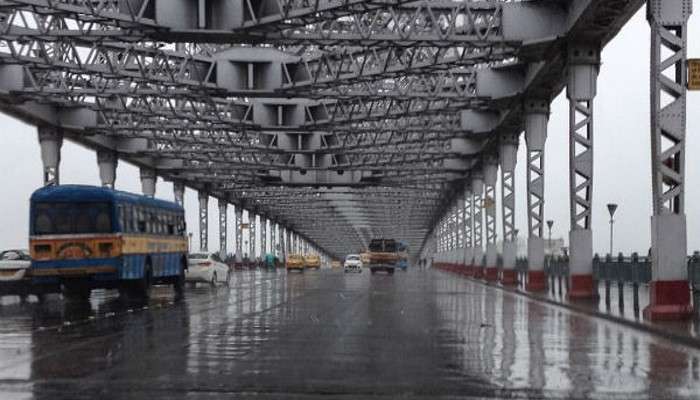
360	23
135	16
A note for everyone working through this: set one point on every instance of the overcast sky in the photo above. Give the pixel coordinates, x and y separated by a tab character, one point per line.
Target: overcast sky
621	148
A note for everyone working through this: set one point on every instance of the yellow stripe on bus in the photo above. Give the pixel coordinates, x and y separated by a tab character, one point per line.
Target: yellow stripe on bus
133	244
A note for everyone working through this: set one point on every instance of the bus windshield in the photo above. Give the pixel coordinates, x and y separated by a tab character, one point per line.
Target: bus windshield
70	218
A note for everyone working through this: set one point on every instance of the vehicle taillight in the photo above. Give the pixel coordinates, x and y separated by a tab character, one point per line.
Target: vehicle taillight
204	263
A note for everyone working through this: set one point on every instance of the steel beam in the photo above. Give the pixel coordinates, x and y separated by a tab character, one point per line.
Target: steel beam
536	119
203	221
107	164
223	219
583	64
50	141
508	150
669	291
490	179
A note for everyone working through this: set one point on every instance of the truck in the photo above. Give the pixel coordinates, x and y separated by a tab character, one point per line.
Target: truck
382	255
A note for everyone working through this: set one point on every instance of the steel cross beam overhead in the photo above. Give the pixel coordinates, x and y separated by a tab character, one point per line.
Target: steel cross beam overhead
339	119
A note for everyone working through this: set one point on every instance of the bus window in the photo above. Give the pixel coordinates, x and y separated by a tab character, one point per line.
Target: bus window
171	224
141	220
103	221
181	227
71	218
42	220
82	220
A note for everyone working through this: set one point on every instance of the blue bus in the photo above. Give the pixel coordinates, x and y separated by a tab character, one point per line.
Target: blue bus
87	237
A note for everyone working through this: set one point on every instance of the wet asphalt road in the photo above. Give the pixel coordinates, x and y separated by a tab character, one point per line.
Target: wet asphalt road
421	334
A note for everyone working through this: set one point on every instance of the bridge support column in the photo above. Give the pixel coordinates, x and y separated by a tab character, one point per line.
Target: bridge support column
263	236
223	219
50	141
468	229
478	205
253	233
584	62
536	119
453	229
669	297
203	222
238	212
148	181
107	164
273	237
490	179
179	193
508	152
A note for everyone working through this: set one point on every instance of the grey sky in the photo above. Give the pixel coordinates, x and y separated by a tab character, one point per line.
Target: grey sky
622	171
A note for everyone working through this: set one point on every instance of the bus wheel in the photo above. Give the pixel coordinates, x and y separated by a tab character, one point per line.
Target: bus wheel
76	292
179	285
142	287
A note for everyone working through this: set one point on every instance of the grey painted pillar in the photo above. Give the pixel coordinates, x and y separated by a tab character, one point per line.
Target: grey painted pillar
273	237
490	179
179	193
263	236
253	233
238	211
50	142
148	181
203	221
478	215
536	119
223	219
456	226
288	241
669	291
107	164
508	152
584	62
468	226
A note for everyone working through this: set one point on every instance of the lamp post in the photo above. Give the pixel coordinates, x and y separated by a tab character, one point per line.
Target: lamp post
612	207
549	241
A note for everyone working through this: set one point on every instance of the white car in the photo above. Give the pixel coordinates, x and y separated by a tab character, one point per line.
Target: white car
206	268
14	265
352	263
14	279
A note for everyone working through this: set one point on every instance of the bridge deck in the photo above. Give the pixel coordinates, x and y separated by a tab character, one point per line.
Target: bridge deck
422	334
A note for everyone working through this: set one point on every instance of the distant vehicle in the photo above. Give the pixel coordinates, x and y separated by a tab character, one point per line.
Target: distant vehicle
87	237
295	261
207	268
382	255
335	264
312	261
352	263
403	255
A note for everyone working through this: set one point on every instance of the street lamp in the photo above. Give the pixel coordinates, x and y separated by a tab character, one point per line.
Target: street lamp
612	207
549	227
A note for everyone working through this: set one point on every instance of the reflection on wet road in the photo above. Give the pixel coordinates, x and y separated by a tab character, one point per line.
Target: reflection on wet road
421	334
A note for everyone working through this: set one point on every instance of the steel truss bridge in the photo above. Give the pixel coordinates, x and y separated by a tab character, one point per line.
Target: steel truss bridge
342	120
